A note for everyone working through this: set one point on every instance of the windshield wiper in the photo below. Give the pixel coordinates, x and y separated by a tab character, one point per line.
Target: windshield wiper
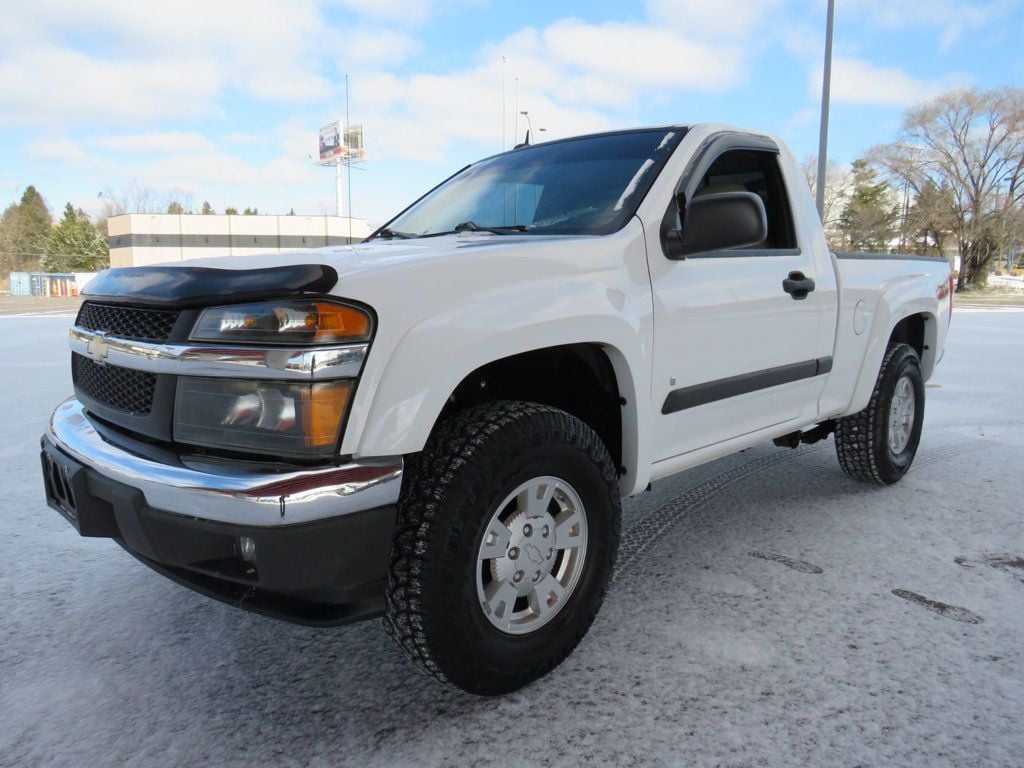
472	226
389	234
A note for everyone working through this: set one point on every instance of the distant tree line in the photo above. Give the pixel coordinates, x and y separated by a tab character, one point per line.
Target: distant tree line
29	240
952	179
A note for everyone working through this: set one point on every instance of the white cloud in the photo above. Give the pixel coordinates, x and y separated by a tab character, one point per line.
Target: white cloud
721	18
167	142
144	61
141	70
641	56
367	47
953	18
62	151
571	76
402	11
58	87
856	81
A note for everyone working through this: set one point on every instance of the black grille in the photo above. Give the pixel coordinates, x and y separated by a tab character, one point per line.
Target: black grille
121	388
127	322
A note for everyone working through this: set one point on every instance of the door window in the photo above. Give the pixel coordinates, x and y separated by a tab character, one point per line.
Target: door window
745	170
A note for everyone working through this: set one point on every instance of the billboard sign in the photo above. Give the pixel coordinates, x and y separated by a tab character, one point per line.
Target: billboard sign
331	148
339	144
354	143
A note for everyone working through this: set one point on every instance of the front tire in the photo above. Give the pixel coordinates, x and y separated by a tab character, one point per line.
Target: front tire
878	444
507	532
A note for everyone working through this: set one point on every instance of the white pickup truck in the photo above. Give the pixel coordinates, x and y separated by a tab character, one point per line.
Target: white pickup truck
438	424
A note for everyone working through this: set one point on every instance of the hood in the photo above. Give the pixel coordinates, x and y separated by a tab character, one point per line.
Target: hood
380	254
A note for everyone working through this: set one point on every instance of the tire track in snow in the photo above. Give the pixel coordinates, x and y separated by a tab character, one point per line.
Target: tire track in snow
641	533
954	612
797	565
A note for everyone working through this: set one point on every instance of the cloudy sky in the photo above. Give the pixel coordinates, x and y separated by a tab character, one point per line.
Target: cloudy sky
223	98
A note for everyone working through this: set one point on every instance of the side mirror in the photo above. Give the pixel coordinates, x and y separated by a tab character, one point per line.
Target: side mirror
716	222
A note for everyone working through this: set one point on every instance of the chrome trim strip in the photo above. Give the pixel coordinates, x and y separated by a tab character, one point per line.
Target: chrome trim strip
235	492
298	364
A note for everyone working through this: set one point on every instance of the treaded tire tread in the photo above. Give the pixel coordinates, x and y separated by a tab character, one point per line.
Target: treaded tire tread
861	442
457	453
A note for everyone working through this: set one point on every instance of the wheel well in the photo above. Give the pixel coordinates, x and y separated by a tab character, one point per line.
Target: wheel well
576	378
910	330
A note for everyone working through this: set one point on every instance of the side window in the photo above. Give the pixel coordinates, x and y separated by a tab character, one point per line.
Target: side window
746	170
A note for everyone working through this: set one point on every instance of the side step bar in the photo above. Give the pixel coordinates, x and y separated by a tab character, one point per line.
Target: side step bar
808	436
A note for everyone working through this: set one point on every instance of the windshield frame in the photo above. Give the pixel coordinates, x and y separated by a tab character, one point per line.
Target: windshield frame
657	167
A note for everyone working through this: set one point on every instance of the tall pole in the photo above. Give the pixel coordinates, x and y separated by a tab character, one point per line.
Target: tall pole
826	86
515	113
348	166
503	104
339	188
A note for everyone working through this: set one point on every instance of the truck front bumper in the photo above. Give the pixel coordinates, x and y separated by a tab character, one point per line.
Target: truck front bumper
305	544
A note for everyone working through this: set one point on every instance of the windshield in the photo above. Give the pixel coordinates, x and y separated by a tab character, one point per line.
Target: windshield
590	185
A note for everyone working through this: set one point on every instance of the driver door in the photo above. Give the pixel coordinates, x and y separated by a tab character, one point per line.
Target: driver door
734	352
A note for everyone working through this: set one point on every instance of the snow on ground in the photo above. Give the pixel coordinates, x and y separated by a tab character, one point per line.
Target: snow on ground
768	611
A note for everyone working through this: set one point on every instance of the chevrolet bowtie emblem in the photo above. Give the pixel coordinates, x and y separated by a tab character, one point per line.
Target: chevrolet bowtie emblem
98	348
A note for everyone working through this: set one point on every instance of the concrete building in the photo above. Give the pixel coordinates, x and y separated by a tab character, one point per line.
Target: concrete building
137	239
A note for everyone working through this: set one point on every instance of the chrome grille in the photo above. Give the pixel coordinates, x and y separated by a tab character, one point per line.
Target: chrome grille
120	388
127	322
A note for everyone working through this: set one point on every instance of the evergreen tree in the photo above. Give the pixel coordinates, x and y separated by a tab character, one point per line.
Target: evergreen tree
869	220
175	207
24	229
207	208
231	211
75	245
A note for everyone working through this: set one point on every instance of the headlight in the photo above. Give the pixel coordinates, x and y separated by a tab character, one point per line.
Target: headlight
283	322
266	417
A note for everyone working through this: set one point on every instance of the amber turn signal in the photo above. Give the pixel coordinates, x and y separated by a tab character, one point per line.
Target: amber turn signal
323	409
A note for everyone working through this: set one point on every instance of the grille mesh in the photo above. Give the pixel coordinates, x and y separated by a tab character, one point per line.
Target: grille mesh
121	388
127	322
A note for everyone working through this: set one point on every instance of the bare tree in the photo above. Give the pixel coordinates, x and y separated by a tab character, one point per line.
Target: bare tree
138	197
135	197
971	143
837	191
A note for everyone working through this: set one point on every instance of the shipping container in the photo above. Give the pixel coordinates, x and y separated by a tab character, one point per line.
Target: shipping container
20	284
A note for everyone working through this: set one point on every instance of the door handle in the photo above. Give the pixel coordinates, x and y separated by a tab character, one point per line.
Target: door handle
798	285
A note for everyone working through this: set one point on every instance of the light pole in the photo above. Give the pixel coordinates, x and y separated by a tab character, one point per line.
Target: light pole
826	86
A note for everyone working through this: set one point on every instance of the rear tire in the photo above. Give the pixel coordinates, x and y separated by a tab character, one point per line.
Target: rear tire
878	444
463	606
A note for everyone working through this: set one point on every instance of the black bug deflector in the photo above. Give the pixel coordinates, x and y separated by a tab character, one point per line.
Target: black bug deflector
196	286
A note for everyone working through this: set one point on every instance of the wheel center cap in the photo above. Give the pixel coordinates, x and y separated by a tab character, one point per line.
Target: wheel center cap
531	552
535	555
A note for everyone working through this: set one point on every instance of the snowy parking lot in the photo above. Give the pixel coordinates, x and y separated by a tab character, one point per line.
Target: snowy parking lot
766	611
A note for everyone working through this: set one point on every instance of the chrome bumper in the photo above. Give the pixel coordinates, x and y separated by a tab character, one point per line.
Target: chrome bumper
229	492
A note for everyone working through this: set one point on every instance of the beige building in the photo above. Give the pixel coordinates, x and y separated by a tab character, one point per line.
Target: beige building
137	239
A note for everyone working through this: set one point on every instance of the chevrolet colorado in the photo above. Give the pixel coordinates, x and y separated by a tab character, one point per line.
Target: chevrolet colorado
437	425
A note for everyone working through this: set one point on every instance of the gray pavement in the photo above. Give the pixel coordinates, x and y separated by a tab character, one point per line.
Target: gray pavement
767	611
